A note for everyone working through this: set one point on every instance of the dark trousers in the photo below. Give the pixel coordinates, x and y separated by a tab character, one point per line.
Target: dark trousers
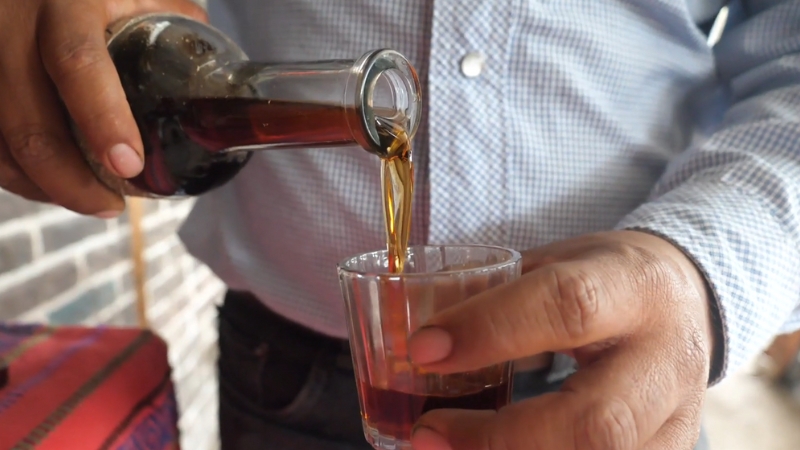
284	387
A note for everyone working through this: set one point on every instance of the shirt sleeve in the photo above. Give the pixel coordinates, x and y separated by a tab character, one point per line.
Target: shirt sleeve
732	202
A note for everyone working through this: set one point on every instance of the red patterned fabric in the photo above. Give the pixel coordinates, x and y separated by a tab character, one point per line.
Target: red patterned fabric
85	388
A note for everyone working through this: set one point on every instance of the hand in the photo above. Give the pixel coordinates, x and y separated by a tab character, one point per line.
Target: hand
56	49
630	307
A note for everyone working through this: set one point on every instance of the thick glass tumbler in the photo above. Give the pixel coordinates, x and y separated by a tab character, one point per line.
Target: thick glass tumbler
384	308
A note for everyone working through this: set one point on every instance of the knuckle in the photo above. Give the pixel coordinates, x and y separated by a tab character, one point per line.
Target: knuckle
628	251
498	325
577	302
610	424
509	330
32	145
653	277
77	54
647	269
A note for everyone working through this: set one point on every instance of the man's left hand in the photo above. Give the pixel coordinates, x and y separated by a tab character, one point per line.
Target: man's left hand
629	306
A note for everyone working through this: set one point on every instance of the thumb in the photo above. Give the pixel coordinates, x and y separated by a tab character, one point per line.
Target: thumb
121	9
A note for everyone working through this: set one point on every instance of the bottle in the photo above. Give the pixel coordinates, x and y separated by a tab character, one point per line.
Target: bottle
203	107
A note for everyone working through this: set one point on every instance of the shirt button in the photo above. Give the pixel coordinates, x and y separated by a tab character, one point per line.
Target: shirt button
472	64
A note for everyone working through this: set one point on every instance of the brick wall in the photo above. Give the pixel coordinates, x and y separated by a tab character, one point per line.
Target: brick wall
62	268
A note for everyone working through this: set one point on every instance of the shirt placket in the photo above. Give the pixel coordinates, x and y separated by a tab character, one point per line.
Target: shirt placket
468	151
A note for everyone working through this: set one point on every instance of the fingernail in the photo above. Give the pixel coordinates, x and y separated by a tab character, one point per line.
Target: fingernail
108	214
429	345
125	161
424	438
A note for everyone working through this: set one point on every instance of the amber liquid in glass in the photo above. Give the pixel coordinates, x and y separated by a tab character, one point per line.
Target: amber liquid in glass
394	413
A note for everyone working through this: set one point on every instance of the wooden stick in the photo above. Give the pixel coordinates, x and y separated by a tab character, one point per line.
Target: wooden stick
135	214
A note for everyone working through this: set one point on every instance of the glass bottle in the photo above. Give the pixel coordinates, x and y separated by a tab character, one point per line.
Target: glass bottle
202	106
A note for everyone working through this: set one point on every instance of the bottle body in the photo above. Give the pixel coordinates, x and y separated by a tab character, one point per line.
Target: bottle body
202	107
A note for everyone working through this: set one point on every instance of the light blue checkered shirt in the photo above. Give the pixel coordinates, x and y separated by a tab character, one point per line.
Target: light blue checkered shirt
588	115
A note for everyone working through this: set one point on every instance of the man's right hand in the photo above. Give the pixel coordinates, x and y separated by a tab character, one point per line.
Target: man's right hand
56	49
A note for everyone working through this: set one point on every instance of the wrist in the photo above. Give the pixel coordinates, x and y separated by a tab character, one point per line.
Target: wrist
684	265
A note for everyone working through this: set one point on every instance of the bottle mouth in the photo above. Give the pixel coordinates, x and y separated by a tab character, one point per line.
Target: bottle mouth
387	92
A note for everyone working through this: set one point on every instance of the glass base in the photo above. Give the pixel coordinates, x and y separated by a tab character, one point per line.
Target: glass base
383	442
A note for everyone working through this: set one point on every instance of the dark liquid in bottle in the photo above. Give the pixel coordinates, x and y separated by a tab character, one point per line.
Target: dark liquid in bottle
175	163
394	413
221	123
189	120
188	142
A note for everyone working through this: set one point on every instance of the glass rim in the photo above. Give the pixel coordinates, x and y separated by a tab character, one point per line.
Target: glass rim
515	257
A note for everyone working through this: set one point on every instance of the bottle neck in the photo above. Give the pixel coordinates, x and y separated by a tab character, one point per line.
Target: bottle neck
315	104
275	107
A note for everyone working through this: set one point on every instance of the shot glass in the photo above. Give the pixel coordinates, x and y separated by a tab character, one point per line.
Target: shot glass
384	308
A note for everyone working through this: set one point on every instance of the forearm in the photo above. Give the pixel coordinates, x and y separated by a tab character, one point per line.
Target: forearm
732	203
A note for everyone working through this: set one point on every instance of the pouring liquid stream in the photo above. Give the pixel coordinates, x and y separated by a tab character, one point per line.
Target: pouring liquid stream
397	184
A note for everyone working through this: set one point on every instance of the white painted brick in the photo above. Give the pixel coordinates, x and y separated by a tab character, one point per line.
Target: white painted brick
102	316
189	329
200	411
41	313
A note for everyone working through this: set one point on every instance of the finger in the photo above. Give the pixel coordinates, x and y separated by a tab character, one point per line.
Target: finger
119	9
39	140
74	53
570	249
555	252
561	306
619	402
14	180
73	49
